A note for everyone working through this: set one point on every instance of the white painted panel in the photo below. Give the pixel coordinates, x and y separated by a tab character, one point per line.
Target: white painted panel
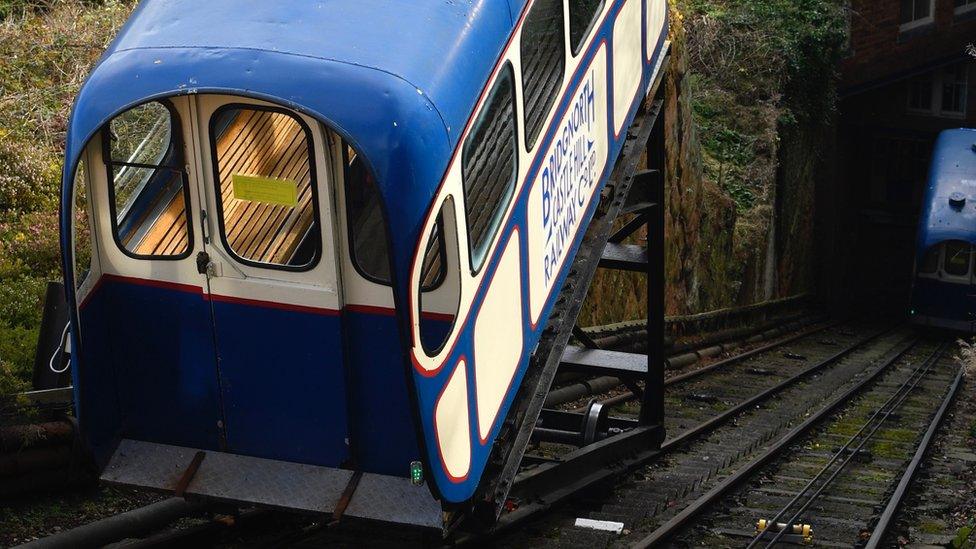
656	12
564	187
498	337
451	423
627	62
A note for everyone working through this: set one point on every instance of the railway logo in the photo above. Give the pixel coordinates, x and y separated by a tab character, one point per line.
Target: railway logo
568	177
566	181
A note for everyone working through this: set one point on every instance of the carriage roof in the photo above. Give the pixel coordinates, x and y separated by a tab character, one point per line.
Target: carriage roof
398	80
952	175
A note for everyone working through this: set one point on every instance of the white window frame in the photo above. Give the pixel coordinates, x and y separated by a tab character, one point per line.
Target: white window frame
965	98
937	108
935	83
919	22
969	6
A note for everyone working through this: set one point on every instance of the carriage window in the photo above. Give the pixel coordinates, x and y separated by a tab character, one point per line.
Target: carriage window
81	239
957	256
582	16
144	159
543	64
438	309
930	263
489	166
266	187
367	228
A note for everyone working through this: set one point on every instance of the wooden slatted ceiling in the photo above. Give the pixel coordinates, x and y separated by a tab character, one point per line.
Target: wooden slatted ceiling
267	144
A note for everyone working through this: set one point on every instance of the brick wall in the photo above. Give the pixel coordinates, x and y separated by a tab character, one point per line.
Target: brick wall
880	50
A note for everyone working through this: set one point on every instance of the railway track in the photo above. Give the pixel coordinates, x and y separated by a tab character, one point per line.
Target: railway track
710	435
807	326
839	477
724	421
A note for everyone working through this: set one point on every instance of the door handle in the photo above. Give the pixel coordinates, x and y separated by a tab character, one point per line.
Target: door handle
204	265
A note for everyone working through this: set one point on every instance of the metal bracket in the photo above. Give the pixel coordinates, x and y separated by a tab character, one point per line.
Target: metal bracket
189	473
346	497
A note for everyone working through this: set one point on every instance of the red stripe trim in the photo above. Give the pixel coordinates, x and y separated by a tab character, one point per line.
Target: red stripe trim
189	288
275	305
446	317
371	310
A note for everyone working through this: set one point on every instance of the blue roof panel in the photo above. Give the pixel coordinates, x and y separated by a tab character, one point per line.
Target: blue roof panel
952	175
445	49
397	79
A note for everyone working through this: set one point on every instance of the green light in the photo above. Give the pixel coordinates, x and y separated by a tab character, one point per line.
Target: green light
416	473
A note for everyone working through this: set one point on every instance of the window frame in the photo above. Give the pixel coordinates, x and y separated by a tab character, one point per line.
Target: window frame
176	145
532	140
350	243
451	202
936	81
917	23
313	182
940	90
967	7
937	249
944	256
496	225
82	181
585	37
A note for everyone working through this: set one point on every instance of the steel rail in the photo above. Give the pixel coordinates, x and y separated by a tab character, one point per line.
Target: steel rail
725	416
588	386
874	423
698	372
567	485
699	505
884	522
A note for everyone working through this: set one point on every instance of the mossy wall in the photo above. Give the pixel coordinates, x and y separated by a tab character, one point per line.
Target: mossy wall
749	121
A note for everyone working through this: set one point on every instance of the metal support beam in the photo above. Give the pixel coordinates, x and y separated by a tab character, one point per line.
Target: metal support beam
604	363
652	401
624	257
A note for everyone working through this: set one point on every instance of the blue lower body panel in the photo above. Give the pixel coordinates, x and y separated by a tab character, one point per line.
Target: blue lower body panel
944	305
283	383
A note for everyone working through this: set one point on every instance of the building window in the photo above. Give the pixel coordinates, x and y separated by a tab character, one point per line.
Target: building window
954	90
963	6
943	92
920	94
916	13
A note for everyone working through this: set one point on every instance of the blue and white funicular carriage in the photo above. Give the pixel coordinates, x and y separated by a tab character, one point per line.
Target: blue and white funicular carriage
326	235
944	289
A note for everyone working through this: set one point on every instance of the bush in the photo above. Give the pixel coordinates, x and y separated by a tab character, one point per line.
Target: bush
17	346
21	300
31	246
29	177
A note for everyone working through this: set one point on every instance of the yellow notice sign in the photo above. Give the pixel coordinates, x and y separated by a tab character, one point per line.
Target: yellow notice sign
268	190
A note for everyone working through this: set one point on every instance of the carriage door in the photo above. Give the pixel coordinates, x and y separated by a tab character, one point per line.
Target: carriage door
271	269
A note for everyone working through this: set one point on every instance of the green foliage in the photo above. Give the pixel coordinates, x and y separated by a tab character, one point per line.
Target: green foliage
17	346
21	301
963	538
47	48
759	65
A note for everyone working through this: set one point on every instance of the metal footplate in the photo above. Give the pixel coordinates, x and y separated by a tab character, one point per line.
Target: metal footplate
275	484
